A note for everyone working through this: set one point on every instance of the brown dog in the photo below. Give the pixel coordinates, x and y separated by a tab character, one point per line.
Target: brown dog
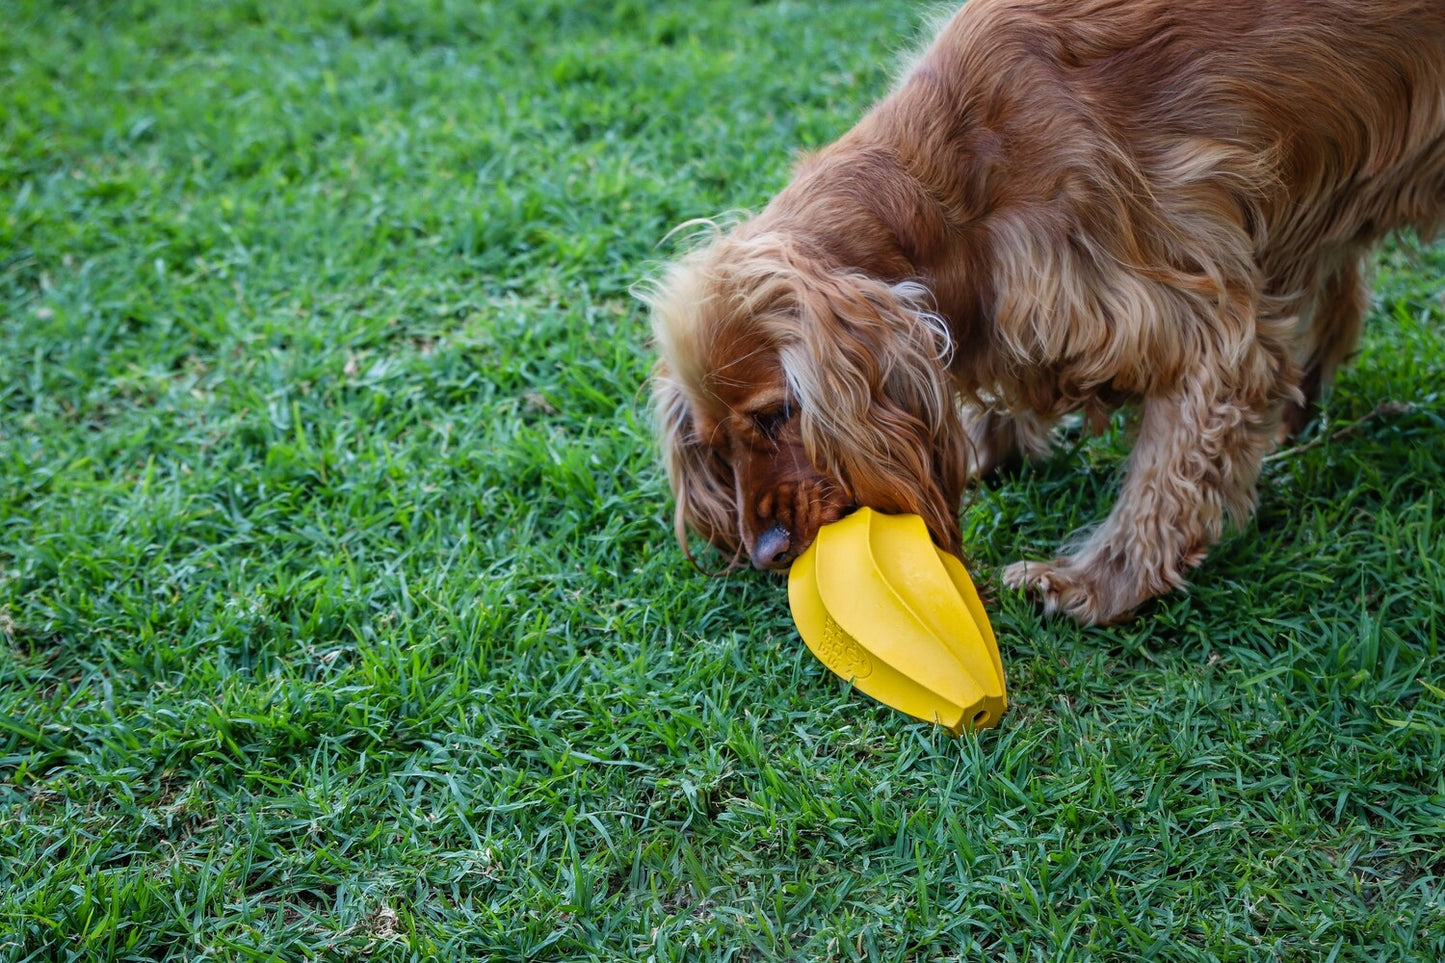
1065	205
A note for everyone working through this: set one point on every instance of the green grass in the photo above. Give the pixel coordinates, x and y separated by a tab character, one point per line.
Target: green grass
339	611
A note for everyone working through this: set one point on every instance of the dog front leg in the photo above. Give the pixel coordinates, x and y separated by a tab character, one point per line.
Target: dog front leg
1194	466
1000	438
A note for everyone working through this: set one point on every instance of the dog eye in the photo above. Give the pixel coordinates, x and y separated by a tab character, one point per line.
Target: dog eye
771	422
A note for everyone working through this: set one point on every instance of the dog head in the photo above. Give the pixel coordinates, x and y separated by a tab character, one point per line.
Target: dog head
789	392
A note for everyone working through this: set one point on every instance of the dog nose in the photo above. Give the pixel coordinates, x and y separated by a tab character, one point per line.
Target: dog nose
771	548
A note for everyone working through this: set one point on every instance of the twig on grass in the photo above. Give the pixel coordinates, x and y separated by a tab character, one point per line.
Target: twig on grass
1384	409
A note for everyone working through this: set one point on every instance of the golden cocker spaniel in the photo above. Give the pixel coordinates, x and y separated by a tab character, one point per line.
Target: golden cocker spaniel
1065	205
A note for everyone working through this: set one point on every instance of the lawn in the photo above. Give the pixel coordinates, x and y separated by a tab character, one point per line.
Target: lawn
339	611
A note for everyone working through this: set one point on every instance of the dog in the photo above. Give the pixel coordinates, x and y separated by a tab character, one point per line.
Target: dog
1063	206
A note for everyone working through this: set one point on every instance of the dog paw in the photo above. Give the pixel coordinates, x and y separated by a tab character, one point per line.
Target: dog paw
1066	589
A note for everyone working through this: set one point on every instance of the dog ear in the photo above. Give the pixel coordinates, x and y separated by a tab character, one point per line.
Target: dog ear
701	480
868	364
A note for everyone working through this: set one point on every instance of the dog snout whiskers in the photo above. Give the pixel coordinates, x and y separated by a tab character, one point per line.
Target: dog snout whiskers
772	548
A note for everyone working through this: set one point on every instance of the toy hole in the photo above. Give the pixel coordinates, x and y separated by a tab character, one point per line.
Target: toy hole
980	718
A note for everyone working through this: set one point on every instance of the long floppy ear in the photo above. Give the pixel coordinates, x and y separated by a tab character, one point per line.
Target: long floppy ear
868	363
701	480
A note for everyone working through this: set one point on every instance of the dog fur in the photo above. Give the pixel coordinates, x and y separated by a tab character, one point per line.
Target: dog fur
1065	205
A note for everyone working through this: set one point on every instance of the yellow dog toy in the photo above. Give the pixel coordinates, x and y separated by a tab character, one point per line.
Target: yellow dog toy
882	607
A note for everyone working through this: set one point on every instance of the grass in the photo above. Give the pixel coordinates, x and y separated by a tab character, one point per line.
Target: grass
339	608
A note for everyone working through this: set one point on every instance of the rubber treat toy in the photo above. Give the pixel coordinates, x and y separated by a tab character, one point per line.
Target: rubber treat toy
885	609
